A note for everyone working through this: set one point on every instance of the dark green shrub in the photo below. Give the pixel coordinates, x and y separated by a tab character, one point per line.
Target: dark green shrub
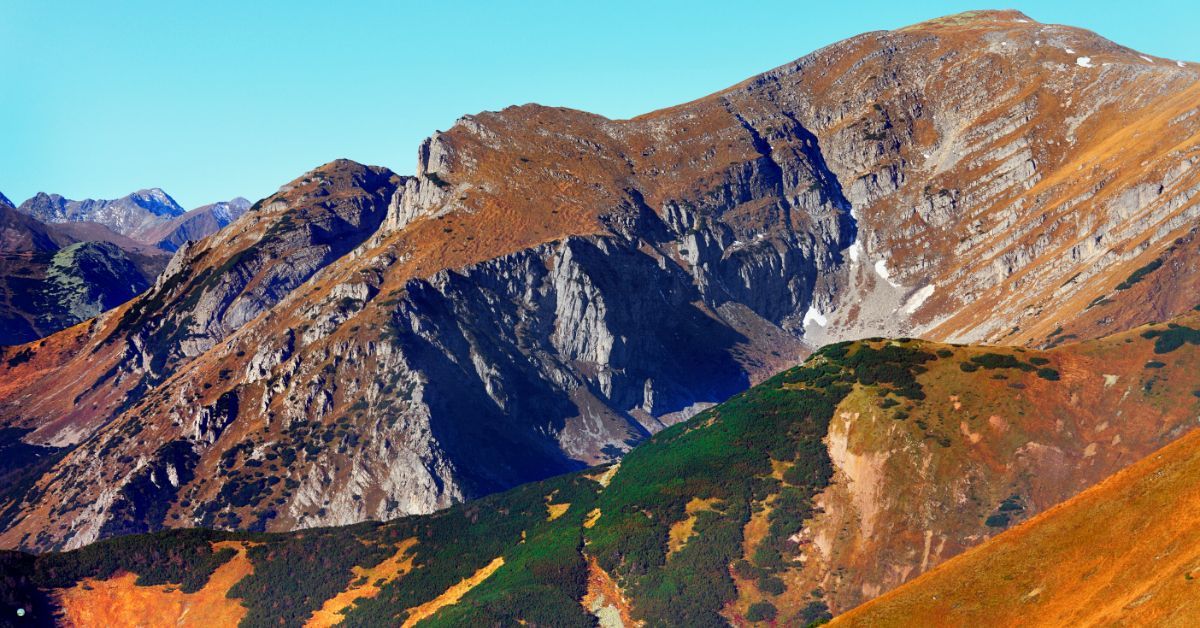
1172	338
814	614
1048	374
1000	361
771	585
1139	275
761	611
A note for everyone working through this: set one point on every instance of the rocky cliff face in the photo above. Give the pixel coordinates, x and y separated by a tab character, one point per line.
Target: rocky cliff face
551	286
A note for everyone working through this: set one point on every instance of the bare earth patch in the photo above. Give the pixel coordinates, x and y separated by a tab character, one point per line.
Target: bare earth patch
683	530
605	600
119	602
453	594
333	611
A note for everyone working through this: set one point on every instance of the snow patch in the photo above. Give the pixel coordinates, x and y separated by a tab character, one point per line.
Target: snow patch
1181	64
814	315
1146	59
1069	51
881	269
1084	62
855	251
918	298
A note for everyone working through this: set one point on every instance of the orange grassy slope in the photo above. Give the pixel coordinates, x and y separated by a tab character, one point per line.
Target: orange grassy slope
1125	552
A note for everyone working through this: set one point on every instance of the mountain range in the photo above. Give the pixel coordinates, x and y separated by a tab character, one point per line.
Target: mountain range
64	262
150	217
542	321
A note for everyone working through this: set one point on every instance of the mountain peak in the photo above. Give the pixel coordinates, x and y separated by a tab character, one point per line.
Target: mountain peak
990	18
156	201
337	172
4	201
983	15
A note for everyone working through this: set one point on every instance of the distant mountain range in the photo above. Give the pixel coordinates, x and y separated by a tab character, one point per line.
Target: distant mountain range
63	261
130	215
147	216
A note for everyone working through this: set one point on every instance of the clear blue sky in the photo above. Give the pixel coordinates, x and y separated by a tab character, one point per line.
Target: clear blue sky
215	99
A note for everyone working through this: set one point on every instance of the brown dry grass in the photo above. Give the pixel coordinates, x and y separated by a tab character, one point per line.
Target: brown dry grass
553	510
333	611
452	595
1125	552
606	476
752	534
605	600
682	531
119	602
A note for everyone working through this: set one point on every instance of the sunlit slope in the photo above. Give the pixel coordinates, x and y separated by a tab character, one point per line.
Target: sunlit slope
1125	552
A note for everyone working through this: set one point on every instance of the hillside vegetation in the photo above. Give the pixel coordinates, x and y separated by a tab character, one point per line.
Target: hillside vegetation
719	519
